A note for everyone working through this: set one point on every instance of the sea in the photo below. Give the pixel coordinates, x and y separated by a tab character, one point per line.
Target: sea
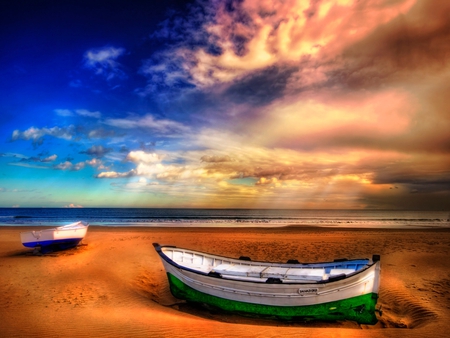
148	217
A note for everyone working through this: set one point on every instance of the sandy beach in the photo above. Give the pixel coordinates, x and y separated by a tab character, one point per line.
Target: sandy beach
114	285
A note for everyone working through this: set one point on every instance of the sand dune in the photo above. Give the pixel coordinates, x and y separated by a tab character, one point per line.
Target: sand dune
114	284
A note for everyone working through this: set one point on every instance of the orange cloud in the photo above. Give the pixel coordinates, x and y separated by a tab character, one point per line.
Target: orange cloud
337	122
259	34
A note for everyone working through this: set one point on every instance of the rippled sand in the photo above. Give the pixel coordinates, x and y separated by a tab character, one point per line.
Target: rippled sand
114	284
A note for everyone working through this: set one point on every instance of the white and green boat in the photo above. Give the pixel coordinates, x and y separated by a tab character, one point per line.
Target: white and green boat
339	290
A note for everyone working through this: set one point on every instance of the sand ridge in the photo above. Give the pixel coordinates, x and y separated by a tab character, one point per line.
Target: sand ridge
114	285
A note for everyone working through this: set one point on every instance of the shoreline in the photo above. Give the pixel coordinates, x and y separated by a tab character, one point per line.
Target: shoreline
280	229
210	225
114	284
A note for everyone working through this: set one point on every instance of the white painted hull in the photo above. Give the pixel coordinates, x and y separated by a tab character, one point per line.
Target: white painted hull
68	234
289	294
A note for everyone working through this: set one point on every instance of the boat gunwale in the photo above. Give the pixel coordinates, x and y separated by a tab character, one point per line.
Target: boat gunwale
332	279
80	225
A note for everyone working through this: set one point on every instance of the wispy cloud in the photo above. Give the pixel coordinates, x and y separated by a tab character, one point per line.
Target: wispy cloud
28	162
64	112
80	112
28	165
14	155
85	112
4	190
69	133
39	159
103	61
163	126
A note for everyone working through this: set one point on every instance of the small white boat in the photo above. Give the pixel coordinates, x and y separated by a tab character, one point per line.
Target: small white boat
59	238
339	290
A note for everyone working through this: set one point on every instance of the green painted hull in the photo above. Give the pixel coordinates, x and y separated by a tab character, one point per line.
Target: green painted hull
360	309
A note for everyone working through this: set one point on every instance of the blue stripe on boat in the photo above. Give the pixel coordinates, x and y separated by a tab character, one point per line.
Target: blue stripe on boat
67	241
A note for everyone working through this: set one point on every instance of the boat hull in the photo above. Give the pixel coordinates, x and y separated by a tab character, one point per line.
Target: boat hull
58	243
360	309
352	297
60	238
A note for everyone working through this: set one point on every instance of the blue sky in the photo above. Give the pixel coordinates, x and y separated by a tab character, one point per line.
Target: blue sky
225	104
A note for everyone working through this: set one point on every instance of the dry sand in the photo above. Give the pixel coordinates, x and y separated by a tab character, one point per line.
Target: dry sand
114	284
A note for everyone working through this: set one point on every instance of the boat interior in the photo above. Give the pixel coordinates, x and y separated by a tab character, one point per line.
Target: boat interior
247	270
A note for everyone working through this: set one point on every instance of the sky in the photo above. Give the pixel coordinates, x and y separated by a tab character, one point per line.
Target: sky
320	104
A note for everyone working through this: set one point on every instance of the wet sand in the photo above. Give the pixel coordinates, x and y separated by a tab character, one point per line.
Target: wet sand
114	285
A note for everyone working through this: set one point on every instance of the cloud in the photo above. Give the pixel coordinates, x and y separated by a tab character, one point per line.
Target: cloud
408	46
103	62
49	158
76	83
16	190
216	158
114	174
15	155
230	40
64	112
142	185
28	165
24	159
80	112
85	112
37	134
67	165
39	159
141	156
97	151
63	166
73	205
101	133
78	166
353	120
27	161
270	181
97	163
228	173
163	126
